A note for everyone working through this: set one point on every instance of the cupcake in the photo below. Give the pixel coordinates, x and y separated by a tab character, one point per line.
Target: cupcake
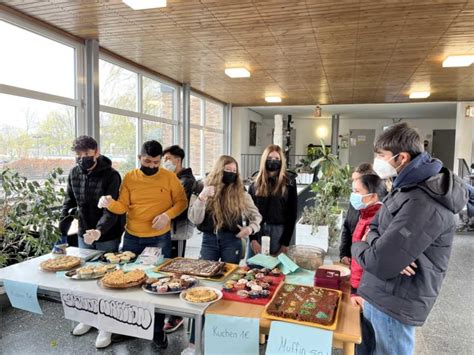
276	272
242	281
239	286
265	271
175	286
256	288
268	280
254	294
241	272
242	293
264	293
154	286
228	287
245	268
236	277
162	288
250	277
265	285
259	276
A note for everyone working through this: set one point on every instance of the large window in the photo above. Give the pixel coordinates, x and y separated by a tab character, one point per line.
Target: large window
134	108
206	134
39	99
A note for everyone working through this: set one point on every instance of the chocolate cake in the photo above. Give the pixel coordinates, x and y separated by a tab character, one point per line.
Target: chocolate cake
203	268
304	303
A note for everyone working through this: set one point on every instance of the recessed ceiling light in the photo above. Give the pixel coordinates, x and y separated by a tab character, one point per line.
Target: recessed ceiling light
273	99
145	4
237	72
419	94
454	61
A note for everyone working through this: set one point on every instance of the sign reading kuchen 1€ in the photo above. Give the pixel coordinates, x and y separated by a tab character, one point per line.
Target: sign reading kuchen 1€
106	313
230	335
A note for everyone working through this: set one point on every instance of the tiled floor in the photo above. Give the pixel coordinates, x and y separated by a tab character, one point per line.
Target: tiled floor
449	329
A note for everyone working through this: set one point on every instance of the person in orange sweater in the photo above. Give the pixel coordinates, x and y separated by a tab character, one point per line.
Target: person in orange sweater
151	197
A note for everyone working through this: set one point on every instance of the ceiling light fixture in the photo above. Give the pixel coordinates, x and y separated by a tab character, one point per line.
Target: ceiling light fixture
237	73
317	111
456	61
419	94
145	4
273	99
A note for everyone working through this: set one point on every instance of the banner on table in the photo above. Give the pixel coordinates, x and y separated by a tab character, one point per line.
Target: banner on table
110	314
288	338
23	295
231	335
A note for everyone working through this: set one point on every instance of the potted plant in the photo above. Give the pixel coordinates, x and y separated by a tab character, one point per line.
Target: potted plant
322	221
29	215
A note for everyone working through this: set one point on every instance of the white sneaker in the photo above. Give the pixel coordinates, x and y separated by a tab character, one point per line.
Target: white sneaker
81	329
104	339
190	350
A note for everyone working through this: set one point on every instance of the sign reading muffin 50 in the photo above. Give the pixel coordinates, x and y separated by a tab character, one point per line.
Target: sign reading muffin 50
106	313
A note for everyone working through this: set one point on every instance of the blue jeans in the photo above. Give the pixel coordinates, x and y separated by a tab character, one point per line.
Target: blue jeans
109	245
392	337
274	231
137	244
223	246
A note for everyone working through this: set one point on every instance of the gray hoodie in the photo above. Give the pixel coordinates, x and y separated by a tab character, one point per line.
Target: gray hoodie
415	224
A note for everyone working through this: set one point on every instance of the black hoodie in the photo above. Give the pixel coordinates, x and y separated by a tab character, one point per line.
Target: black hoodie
415	224
188	181
83	191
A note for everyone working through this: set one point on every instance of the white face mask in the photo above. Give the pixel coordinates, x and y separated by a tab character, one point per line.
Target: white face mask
384	169
168	165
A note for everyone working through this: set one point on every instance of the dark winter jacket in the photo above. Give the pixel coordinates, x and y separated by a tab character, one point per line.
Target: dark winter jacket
188	181
278	209
415	224
83	191
350	222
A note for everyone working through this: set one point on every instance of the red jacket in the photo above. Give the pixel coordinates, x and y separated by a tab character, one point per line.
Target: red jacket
365	218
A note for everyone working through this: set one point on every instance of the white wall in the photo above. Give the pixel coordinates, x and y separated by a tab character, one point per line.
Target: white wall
464	147
241	117
310	130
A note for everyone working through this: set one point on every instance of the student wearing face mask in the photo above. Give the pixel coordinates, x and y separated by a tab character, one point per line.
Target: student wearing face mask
415	227
92	177
151	197
218	212
181	228
274	192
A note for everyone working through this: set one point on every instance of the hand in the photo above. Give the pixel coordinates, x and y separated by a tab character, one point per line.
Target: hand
105	201
207	191
244	232
408	271
283	249
160	221
91	236
346	260
364	238
256	247
357	301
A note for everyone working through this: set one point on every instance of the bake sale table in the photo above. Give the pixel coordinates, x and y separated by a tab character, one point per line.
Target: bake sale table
50	284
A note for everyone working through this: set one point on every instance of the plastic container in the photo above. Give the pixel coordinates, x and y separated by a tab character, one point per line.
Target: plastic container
306	256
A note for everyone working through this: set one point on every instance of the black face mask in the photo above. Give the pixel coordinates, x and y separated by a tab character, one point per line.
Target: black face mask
85	162
229	177
273	165
148	171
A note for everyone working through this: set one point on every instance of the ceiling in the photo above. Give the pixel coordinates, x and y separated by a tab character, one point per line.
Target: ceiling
434	110
307	51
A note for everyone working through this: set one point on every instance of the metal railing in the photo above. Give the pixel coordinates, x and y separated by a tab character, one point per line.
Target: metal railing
249	164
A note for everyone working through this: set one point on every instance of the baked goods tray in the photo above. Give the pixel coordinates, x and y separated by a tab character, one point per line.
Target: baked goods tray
232	296
228	269
332	327
128	285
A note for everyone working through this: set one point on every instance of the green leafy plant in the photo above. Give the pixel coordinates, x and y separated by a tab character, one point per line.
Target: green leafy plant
332	187
29	215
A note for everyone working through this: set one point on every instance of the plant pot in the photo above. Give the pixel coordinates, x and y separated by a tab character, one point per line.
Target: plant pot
305	236
305	178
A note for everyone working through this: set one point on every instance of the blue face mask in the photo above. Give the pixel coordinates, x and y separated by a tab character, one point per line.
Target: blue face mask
356	201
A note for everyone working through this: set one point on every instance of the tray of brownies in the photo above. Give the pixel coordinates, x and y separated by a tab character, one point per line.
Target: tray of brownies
203	269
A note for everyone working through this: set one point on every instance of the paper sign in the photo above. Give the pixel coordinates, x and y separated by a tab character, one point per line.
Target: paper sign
361	138
231	335
288	338
287	265
81	307
267	261
106	313
353	142
301	277
23	295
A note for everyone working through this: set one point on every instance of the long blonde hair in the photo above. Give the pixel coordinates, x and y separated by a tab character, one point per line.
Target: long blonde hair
228	203
261	184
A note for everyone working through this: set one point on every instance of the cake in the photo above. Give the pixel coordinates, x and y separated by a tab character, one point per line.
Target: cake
60	263
304	303
121	279
203	268
200	295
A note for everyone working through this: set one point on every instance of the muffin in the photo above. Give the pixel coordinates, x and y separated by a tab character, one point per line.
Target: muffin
242	293
114	260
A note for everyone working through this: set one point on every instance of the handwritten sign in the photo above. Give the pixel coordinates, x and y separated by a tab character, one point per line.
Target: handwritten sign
23	295
288	338
231	335
106	313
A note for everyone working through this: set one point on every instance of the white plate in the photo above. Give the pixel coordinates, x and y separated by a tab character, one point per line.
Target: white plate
218	292
344	270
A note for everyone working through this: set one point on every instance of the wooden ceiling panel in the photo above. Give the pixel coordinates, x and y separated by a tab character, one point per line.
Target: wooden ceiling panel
349	51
